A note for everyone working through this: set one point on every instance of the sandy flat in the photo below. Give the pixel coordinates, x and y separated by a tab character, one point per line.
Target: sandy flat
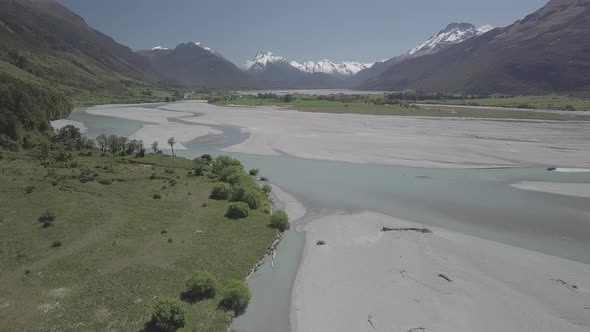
58	124
391	279
408	141
561	188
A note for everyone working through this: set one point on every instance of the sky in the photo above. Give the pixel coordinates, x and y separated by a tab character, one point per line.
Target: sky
339	30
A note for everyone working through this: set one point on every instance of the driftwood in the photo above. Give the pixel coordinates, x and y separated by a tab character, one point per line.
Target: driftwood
407	229
445	277
571	287
370	322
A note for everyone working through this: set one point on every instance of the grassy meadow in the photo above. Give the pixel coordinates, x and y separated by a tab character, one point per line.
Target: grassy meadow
373	105
113	249
550	102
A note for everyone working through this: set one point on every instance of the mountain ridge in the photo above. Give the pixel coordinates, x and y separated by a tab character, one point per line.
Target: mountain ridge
548	51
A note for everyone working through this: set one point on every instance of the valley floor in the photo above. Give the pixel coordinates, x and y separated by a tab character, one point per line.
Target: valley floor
364	279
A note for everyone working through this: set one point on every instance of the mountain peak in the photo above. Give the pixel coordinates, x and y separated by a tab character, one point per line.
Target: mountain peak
262	59
454	33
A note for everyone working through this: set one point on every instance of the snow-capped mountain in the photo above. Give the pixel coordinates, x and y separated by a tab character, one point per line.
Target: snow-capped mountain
262	60
275	71
454	33
346	68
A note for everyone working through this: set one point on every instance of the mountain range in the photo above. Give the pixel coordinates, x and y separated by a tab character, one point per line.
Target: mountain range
546	52
44	43
191	65
453	34
273	71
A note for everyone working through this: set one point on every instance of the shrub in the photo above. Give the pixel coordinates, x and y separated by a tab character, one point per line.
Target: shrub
222	162
266	189
106	182
201	285
264	179
47	217
252	198
157	196
230	172
237	210
236	296
56	244
321	243
254	171
569	108
220	191
169	315
280	220
207	158
29	189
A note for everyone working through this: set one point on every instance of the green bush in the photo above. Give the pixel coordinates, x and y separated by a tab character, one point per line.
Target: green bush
252	198
47	216
264	179
237	210
169	315
280	220
321	243
236	296
29	189
266	189
254	171
157	196
222	162
56	244
569	108
201	285
230	172
220	191
106	182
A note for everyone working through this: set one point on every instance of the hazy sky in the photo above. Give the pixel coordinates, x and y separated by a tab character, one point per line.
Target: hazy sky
339	30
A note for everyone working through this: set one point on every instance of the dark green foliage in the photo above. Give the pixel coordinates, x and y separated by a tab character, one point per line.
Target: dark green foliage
106	182
201	285
56	244
264	179
47	218
254	171
87	175
220	191
280	220
70	137
207	158
157	196
169	315
25	108
222	162
266	189
321	243
226	173
237	210
236	296
29	189
569	108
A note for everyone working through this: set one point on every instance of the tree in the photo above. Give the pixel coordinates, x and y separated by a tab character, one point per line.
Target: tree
235	296
169	315
171	142
201	285
113	143
280	220
254	171
69	136
237	210
103	143
155	147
